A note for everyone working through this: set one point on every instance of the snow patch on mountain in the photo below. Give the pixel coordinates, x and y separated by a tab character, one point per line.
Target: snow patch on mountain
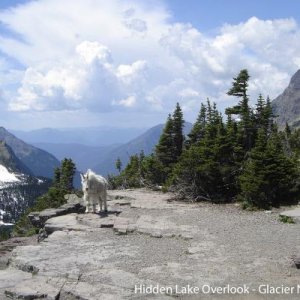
6	176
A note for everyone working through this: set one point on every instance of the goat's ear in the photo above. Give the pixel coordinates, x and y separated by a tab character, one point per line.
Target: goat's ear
82	177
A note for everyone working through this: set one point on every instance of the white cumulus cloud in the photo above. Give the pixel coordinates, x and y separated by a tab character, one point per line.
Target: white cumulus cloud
103	56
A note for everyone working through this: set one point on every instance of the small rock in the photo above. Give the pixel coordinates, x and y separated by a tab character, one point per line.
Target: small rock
108	224
296	260
187	237
156	235
42	235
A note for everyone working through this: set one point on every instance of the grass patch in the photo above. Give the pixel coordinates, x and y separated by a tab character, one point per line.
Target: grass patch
286	219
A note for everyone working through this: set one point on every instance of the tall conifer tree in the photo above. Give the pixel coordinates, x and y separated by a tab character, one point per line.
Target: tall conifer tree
239	89
178	137
165	148
198	130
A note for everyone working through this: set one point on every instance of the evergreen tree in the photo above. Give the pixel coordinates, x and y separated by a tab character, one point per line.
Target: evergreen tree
131	174
198	130
245	158
205	170
246	127
56	180
118	165
260	111
269	177
240	85
268	116
153	170
253	180
67	172
165	148
294	142
287	130
141	165
178	137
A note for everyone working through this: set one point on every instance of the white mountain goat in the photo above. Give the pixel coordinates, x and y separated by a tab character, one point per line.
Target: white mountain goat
94	189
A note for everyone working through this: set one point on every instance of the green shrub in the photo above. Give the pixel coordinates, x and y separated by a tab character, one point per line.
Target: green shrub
286	219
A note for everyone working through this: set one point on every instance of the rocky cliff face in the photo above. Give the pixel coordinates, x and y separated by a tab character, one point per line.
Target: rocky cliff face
18	187
10	160
287	105
40	162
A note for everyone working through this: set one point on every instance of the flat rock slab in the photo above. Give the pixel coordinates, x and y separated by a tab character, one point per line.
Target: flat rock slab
137	199
96	220
11	277
34	288
67	222
154	226
195	244
7	246
294	213
81	222
143	199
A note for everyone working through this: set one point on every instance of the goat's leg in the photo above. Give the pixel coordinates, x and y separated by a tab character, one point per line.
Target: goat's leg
105	200
93	204
87	203
100	203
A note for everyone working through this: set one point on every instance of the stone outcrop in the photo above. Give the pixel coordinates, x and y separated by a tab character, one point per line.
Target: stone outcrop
74	205
148	239
287	105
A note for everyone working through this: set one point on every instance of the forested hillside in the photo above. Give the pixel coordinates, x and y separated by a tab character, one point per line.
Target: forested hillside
242	156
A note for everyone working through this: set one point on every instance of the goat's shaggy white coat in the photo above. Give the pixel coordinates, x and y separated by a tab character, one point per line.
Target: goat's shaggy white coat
94	189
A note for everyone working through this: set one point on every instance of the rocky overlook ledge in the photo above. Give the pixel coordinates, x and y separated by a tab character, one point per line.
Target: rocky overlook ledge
148	239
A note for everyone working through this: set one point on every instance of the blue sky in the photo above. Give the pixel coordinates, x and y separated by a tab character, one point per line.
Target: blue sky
209	15
80	63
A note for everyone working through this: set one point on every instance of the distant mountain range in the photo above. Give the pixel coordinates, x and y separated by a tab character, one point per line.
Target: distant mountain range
90	136
287	105
146	142
84	156
102	159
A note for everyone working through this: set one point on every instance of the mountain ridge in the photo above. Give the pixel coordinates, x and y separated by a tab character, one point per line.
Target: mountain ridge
102	158
287	105
145	142
39	161
18	187
11	161
90	136
83	155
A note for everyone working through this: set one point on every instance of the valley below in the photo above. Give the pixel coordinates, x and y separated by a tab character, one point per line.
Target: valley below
149	240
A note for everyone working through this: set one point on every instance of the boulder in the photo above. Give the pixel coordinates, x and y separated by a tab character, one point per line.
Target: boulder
74	205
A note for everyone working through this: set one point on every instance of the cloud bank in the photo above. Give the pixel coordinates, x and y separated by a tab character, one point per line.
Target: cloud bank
129	59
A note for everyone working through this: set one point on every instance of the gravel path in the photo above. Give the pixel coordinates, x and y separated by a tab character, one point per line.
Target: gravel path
167	244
